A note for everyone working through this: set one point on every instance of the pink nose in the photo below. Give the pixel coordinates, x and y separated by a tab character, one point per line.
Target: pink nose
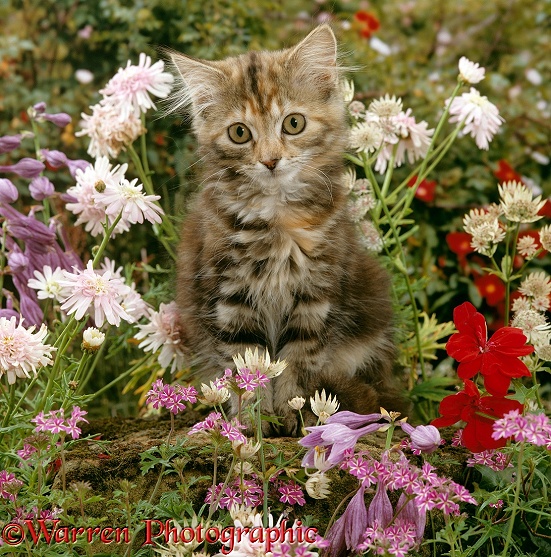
271	164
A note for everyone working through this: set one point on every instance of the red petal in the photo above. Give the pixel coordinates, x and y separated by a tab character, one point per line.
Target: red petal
497	384
510	341
477	435
462	315
499	406
466	370
445	421
452	405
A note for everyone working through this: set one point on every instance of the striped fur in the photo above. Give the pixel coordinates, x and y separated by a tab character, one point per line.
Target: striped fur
270	258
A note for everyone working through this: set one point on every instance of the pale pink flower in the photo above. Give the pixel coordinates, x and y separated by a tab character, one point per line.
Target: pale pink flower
89	288
22	350
129	198
164	330
109	133
470	72
480	116
130	87
95	177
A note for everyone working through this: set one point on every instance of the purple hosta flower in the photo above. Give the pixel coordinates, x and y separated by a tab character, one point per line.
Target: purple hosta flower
129	89
171	397
26	168
408	511
41	188
56	422
214	424
27	228
89	289
17	260
337	436
60	119
164	332
292	494
396	540
348	530
39	108
55	159
493	459
9	143
532	428
9	485
8	192
250	380
424	438
75	165
380	509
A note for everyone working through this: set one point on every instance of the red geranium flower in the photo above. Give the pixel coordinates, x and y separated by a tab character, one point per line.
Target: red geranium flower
497	359
459	243
478	413
370	23
425	189
506	173
491	289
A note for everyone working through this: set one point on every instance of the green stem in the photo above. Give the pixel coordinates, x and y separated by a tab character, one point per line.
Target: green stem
265	483
108	231
518	485
2	260
511	252
11	404
119	378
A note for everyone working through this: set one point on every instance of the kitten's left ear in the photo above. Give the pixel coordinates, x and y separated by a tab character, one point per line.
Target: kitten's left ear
316	55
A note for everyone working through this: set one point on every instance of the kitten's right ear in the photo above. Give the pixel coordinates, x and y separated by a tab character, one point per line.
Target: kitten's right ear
198	79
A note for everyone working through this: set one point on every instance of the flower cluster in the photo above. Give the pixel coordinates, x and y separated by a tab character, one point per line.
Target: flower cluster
171	397
216	426
9	485
115	120
531	428
495	460
498	361
56	422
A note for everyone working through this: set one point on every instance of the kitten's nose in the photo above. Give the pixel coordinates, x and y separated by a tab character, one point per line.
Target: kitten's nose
271	164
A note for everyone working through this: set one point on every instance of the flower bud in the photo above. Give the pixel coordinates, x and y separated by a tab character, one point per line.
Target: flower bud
60	119
26	168
17	261
296	403
41	188
317	486
9	143
56	159
39	108
92	339
8	192
426	438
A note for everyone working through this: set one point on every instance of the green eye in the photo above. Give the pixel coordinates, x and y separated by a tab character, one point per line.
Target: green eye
294	123
239	133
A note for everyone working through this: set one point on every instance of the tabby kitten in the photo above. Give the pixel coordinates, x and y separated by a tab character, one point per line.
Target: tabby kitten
268	255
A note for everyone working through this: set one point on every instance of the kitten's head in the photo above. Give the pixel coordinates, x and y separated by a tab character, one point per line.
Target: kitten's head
275	118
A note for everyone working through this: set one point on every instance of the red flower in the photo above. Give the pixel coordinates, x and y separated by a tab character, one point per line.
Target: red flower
477	412
459	243
497	359
370	23
491	289
506	173
545	211
425	190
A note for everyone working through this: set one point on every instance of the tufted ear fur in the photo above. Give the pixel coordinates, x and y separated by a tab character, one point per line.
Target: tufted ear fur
315	57
198	79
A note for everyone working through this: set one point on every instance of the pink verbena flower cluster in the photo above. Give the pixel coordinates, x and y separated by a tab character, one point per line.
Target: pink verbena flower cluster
531	428
171	397
9	485
216	426
397	539
493	459
56	422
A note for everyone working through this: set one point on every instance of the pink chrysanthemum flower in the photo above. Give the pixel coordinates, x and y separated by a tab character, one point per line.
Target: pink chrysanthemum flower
95	177
89	288
130	87
164	330
21	350
481	117
128	198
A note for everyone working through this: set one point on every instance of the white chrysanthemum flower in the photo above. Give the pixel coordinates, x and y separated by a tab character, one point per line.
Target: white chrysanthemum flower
486	236
261	362
92	339
22	350
47	284
89	181
347	90
317	486
88	288
323	406
545	237
370	237
518	202
386	107
129	198
470	72
130	88
481	117
164	331
134	305
356	109
111	266
297	402
366	136
536	285
109	134
520	304
477	217
527	247
212	394
534	325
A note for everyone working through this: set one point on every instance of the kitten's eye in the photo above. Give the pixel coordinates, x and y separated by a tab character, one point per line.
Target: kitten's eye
294	123
239	133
